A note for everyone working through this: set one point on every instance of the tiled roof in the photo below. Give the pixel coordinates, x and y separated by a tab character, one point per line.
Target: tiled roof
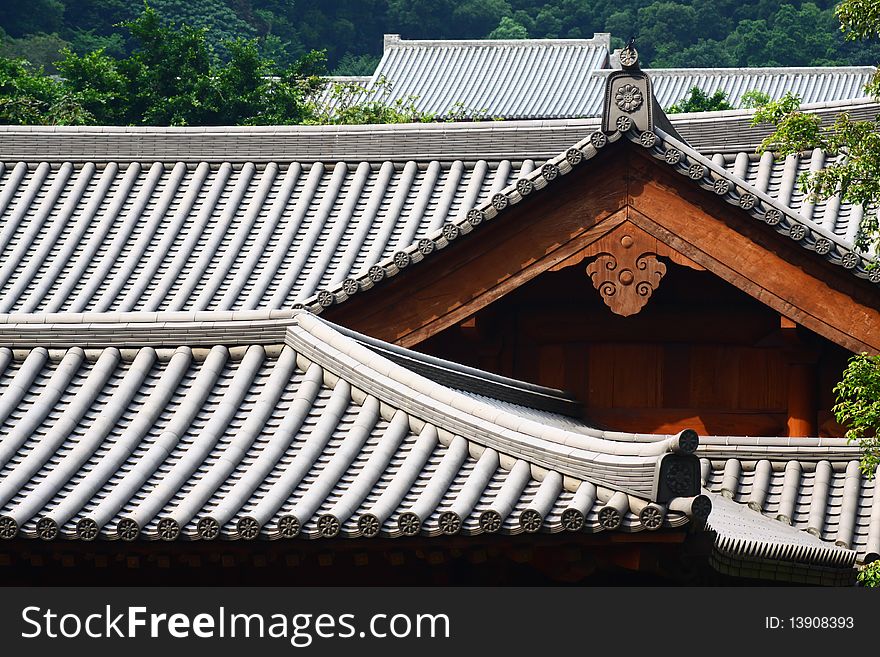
302	432
813	85
222	236
810	484
280	425
518	79
709	132
565	78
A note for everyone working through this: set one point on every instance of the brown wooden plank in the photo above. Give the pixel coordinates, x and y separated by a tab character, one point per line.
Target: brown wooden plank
704	422
737	247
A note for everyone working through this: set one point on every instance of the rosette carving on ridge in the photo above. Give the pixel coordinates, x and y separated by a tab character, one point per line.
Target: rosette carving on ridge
629	98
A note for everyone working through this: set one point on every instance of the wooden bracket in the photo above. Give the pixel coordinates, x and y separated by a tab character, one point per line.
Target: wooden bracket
627	270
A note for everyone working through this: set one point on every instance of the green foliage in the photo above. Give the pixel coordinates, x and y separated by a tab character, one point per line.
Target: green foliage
350	105
869	576
858	407
669	32
360	65
40	50
859	19
753	99
855	176
508	28
698	100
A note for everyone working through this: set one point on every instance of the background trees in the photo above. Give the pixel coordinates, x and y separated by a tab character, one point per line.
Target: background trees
669	32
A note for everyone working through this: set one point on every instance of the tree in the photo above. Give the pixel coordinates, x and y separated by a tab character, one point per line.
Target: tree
698	100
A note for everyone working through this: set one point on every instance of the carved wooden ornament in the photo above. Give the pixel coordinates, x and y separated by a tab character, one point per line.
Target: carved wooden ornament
626	278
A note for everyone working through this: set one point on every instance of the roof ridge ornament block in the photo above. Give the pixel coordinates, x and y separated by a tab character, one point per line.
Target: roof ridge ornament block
629	96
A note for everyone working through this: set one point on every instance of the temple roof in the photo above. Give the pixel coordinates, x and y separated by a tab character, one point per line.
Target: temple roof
157	379
565	78
152	235
282	425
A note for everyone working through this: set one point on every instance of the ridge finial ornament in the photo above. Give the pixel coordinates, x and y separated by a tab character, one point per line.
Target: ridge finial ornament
629	56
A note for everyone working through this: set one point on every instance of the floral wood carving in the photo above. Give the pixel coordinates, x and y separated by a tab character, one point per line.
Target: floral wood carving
627	278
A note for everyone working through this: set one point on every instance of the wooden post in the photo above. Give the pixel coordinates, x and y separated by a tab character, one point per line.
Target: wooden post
802	411
801	399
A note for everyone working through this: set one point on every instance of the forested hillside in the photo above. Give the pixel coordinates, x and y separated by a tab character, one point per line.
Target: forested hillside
669	32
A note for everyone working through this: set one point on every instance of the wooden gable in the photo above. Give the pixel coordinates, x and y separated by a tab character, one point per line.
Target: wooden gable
757	359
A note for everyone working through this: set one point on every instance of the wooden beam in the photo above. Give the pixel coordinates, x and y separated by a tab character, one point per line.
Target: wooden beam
751	256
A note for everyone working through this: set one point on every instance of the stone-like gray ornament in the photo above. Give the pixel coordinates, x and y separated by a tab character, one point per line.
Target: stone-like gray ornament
747	201
450	231
288	526
696	171
525	187
328	525
721	187
797	232
549	171
208	529
572	520
368	525
598	139
475	216
678	479
87	529
401	259
647	139
47	529
490	521
874	275
629	57
248	528
8	527
672	156
376	273
610	518
409	523
624	123
651	518
629	98
127	529
350	286
772	216
168	529
574	156
849	260
499	201
326	298
823	246
701	507
426	246
449	523
530	520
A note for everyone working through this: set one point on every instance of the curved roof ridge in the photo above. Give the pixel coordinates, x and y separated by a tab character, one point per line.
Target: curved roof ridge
603	457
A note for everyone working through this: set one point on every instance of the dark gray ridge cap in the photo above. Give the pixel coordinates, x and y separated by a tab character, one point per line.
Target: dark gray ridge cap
710	132
391	40
471	379
676	154
747	535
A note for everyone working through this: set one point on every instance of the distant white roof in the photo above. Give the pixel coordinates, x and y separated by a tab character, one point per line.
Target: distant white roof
525	78
565	78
